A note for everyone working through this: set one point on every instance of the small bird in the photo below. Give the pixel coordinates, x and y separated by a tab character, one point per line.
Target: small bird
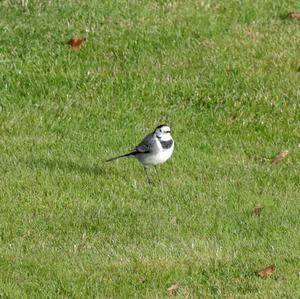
156	148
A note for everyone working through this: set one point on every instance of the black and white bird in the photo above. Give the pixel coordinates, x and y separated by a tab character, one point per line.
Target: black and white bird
156	148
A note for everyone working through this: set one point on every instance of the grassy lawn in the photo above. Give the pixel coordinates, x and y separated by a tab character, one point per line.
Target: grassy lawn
223	74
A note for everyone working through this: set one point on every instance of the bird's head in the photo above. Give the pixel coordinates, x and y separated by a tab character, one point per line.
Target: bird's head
163	132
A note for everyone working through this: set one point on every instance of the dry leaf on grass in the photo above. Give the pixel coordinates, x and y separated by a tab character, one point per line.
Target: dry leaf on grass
257	211
75	42
268	271
173	288
294	15
280	157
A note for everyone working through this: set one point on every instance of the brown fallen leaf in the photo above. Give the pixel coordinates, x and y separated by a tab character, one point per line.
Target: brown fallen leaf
268	271
257	211
173	288
75	42
294	14
280	157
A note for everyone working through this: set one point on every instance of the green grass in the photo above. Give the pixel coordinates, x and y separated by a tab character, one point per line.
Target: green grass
223	74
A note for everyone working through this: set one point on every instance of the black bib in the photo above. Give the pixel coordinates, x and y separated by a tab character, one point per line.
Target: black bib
166	144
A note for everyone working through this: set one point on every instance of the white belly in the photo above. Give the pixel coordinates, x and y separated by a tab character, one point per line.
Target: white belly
157	157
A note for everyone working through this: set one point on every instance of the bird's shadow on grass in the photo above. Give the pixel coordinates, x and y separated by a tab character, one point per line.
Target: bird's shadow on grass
69	166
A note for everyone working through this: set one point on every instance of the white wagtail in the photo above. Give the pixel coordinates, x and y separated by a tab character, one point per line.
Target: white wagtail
156	148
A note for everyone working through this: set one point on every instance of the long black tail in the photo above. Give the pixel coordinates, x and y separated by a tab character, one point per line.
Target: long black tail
132	154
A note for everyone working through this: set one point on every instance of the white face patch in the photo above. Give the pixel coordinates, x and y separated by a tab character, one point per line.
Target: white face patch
163	132
159	133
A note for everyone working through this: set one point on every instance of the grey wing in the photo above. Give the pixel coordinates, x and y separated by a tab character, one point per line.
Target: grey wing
145	145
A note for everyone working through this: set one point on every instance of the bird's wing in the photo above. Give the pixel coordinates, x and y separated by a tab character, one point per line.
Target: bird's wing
146	144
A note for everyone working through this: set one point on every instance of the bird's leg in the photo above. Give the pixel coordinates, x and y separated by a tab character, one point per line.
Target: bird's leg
147	175
157	172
